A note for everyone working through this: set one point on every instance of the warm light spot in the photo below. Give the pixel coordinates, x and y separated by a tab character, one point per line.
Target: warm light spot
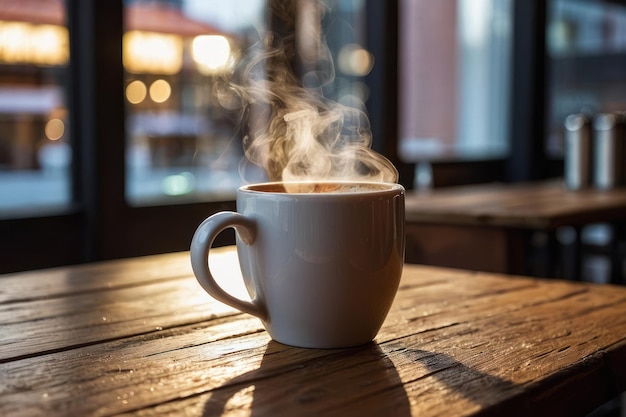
152	53
354	60
160	91
211	53
52	44
136	92
240	400
55	128
33	44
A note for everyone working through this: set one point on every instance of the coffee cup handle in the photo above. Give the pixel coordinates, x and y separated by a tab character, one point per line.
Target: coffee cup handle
201	244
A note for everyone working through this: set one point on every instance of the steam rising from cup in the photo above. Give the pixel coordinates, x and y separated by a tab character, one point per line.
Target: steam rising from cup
292	131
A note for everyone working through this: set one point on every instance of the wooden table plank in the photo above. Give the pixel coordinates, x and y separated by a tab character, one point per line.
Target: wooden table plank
58	282
124	303
455	343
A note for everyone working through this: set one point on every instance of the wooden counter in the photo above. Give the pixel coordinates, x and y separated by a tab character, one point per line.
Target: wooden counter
491	227
139	337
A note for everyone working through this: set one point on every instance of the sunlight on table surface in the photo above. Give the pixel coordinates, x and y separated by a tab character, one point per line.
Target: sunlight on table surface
224	266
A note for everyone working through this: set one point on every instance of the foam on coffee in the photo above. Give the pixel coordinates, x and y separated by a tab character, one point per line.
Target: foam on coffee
318	187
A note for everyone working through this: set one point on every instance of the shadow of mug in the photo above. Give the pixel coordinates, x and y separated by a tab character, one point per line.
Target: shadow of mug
304	382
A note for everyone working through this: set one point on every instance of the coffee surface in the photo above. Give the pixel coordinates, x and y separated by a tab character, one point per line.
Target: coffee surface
318	187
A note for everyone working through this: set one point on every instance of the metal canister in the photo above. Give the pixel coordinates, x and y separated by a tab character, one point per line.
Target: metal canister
577	152
605	150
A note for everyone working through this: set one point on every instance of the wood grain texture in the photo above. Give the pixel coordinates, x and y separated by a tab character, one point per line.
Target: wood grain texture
455	343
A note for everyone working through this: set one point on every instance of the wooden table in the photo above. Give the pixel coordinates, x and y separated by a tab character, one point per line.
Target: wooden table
491	226
139	337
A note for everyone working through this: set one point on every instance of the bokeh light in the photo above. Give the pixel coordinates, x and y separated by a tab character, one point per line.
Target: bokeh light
160	91
55	128
355	60
179	184
212	53
136	92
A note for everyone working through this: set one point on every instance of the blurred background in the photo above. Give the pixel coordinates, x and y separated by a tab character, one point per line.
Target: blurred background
115	140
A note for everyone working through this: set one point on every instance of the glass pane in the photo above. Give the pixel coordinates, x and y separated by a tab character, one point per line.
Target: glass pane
184	132
35	151
183	145
455	77
586	44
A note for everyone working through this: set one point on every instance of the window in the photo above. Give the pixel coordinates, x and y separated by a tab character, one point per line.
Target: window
35	147
184	140
456	76
148	152
182	143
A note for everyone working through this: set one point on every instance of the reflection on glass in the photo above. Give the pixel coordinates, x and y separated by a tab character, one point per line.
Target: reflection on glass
35	154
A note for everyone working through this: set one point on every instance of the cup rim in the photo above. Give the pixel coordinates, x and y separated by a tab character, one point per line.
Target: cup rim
277	187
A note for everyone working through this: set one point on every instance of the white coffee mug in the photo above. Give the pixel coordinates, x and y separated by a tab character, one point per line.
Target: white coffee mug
321	262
